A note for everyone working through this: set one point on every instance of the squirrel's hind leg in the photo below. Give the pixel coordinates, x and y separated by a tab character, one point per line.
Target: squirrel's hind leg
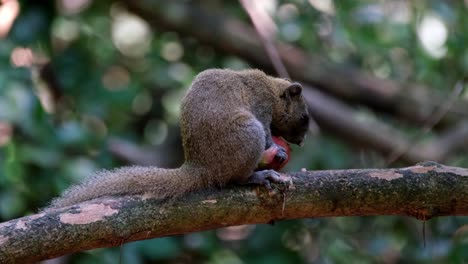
265	177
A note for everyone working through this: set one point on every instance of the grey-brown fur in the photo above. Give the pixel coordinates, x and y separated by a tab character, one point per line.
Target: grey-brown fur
226	121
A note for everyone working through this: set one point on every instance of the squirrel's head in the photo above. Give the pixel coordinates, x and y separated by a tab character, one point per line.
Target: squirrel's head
290	114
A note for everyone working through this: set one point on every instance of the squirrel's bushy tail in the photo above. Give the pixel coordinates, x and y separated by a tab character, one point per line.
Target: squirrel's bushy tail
162	183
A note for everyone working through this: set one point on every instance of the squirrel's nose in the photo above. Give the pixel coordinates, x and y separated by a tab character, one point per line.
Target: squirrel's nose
295	89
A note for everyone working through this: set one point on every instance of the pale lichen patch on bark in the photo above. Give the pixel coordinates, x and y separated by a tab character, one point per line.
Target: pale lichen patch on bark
148	195
21	225
420	169
209	201
386	175
89	213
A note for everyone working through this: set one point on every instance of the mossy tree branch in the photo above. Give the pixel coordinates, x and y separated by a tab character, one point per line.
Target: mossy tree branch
423	191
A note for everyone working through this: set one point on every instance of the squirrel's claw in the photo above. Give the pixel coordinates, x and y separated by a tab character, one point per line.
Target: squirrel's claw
281	155
265	177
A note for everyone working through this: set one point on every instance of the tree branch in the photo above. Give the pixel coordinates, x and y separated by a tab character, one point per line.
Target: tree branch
342	121
452	140
422	191
231	35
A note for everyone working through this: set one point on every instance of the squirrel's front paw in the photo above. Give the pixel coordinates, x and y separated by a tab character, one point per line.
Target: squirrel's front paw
276	156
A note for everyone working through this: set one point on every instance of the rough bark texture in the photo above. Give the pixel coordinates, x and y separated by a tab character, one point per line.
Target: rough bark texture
423	191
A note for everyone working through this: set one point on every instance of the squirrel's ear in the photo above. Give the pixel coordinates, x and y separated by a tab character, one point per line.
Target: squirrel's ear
294	89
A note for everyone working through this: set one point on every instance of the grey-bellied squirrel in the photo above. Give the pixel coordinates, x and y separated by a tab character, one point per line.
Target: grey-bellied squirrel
227	121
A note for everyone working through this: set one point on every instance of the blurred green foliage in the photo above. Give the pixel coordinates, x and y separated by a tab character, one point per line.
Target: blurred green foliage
118	78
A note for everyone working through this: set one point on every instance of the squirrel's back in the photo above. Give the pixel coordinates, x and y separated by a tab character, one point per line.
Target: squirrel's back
219	125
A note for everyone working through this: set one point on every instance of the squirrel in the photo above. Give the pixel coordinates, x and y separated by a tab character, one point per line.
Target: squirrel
227	121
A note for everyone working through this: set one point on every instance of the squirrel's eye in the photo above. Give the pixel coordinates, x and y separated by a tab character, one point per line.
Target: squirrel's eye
287	79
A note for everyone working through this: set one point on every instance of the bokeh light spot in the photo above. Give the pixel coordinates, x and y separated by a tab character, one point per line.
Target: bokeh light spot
324	6
433	33
142	103
21	57
64	31
6	132
172	51
179	71
287	12
131	35
156	132
116	78
9	10
73	6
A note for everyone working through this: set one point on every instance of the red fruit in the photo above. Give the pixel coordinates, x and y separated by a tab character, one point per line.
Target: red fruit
268	160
